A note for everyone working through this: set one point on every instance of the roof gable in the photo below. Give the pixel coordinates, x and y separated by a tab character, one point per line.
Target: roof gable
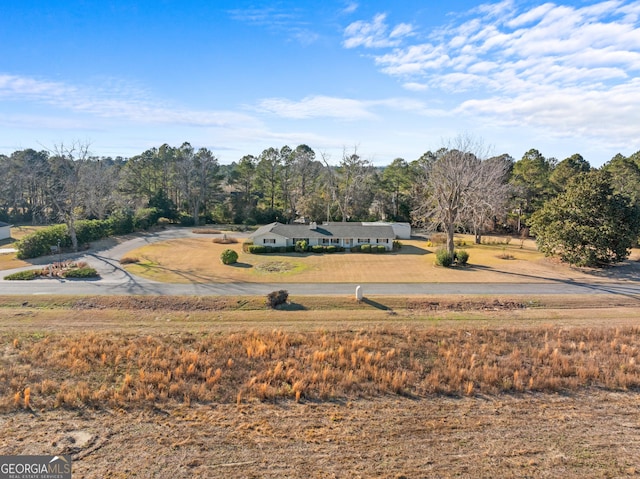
342	230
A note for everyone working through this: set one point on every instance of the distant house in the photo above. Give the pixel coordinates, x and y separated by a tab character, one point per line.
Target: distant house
5	231
346	235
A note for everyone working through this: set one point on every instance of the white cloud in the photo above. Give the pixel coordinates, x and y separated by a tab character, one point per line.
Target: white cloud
338	108
415	86
316	107
375	34
565	69
351	7
104	102
289	21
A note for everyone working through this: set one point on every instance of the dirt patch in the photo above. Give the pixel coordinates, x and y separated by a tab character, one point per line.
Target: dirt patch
156	303
593	435
488	305
275	267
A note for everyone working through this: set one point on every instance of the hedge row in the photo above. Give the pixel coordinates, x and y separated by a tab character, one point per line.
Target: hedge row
249	247
261	249
40	242
369	248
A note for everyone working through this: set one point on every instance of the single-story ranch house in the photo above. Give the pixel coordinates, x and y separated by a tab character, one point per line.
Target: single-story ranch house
346	235
5	231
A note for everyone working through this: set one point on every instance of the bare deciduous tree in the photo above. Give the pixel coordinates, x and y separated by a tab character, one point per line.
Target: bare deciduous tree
66	193
488	194
99	180
457	186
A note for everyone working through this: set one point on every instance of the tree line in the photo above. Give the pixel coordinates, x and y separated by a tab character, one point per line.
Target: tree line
455	188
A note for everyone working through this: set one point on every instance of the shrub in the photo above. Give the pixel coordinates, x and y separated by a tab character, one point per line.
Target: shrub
365	248
276	298
145	218
382	248
185	220
84	272
256	249
355	248
162	221
92	230
462	257
246	245
331	249
129	260
121	222
317	248
301	246
396	245
444	258
23	275
39	242
229	256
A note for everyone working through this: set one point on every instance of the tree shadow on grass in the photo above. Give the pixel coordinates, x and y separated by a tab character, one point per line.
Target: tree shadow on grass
601	287
413	250
242	265
291	307
628	270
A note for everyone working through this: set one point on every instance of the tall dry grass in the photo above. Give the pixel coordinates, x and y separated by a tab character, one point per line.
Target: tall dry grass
114	370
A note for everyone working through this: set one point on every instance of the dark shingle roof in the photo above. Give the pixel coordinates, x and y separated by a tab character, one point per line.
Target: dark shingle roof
2	223
342	230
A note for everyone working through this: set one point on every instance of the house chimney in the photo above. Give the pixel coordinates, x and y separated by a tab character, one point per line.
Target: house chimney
313	225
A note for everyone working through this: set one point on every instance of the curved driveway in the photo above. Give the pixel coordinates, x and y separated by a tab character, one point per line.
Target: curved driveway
114	280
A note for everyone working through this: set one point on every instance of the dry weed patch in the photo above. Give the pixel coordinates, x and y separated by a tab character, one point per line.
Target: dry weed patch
225	240
118	370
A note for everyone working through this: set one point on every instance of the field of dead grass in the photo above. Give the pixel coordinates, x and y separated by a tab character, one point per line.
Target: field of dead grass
198	260
395	387
9	260
401	348
114	370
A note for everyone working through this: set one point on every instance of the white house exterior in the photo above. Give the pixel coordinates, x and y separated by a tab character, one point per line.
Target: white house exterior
5	231
346	235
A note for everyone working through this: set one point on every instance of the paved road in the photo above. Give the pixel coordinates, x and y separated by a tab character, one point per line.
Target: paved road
114	280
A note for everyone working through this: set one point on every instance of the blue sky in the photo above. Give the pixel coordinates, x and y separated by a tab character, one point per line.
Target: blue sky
391	79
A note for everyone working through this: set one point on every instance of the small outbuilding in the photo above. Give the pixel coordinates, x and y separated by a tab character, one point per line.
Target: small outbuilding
5	231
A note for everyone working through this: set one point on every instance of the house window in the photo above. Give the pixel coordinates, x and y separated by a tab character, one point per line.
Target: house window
326	240
363	240
269	241
383	240
335	240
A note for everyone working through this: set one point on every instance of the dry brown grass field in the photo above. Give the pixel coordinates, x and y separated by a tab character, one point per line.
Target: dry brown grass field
9	260
197	260
325	387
